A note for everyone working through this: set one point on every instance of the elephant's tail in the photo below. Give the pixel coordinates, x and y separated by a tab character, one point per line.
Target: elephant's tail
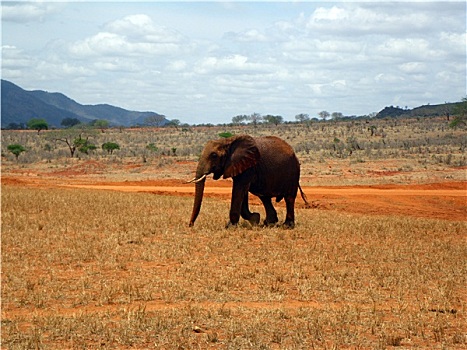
303	196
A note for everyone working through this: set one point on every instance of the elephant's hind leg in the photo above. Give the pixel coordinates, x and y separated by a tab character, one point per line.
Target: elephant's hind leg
253	218
271	214
290	216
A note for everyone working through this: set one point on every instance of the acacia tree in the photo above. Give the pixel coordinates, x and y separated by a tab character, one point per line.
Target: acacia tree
16	149
174	123
76	139
273	119
101	124
110	147
37	124
84	145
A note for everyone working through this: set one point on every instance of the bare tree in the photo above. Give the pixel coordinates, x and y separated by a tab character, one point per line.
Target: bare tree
324	115
302	118
239	119
255	118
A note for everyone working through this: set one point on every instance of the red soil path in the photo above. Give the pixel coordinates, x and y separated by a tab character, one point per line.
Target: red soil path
447	200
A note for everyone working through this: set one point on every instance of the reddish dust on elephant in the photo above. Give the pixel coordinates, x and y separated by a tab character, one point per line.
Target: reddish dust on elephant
266	167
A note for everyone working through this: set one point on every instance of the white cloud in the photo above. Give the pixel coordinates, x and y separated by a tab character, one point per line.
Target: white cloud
59	70
138	23
454	42
340	46
141	28
112	44
230	65
367	19
388	78
103	43
116	65
23	12
409	49
413	67
332	87
15	59
329	14
177	65
447	76
130	36
251	35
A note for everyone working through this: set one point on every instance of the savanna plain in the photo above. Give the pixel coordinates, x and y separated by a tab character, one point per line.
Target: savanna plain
97	252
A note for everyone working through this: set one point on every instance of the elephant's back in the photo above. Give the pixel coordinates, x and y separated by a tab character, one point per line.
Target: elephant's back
273	142
279	169
277	152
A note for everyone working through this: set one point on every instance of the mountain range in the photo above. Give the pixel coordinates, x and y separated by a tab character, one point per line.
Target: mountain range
19	106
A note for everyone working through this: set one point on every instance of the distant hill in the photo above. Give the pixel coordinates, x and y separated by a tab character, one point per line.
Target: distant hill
19	106
422	111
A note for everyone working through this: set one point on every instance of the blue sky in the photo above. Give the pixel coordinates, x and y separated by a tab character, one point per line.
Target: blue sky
206	62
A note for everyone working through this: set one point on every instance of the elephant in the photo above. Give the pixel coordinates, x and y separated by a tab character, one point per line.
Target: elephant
265	166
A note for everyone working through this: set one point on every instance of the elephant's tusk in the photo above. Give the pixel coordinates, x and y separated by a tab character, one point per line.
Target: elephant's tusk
200	179
195	180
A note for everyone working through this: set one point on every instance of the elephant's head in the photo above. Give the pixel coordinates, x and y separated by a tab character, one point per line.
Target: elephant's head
226	157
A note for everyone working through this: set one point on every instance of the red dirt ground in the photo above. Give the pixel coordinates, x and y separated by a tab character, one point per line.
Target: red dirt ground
446	200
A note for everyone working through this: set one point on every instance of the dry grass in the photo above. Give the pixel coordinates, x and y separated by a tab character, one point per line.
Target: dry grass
99	269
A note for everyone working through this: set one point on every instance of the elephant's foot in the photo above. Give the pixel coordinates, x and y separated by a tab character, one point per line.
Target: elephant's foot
254	219
271	221
288	224
230	224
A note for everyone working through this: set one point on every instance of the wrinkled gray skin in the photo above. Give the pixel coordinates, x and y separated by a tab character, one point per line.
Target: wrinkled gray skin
264	166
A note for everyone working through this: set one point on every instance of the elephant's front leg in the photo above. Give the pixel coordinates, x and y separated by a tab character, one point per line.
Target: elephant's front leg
253	218
239	202
239	190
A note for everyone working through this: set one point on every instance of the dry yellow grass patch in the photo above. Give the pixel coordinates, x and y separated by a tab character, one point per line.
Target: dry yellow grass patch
100	269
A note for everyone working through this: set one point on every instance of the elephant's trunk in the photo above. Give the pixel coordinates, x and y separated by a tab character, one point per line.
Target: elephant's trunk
199	191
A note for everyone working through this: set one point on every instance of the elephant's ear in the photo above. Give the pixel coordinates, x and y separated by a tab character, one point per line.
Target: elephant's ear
243	154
